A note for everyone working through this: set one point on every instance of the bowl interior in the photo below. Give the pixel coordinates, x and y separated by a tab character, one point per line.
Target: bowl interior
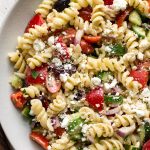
16	128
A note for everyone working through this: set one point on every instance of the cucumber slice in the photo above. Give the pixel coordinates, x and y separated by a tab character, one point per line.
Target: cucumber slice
113	99
25	112
148	35
104	76
139	31
131	147
135	18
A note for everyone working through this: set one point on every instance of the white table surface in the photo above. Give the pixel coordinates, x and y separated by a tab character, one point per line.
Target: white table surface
5	7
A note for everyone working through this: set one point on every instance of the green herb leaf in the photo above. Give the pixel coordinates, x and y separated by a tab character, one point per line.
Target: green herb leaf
34	74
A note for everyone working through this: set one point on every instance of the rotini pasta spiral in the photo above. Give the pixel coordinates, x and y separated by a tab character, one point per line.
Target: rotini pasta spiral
41	114
89	115
61	19
107	144
128	81
123	120
38	59
88	28
63	143
131	40
17	58
141	5
104	64
99	130
58	105
45	7
77	79
26	41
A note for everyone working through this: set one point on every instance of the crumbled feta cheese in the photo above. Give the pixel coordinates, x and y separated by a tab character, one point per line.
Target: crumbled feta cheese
49	148
107	31
113	84
63	77
85	128
140	113
119	5
108	86
85	148
145	95
108	49
31	113
96	81
58	46
144	44
51	40
65	122
38	45
140	56
67	66
57	62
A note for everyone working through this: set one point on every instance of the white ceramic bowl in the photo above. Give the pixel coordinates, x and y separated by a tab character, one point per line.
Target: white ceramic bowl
16	128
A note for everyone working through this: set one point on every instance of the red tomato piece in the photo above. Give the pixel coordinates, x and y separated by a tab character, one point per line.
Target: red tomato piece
18	99
40	77
85	13
92	39
108	2
141	76
123	15
146	146
59	131
53	85
86	47
95	98
36	20
40	139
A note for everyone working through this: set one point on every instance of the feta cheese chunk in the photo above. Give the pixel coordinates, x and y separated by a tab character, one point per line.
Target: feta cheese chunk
65	122
57	62
96	81
38	45
63	77
119	5
51	40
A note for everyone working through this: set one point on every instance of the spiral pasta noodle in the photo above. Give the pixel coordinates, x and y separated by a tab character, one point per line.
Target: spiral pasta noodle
17	58
58	105
63	143
124	120
61	19
128	81
89	115
131	41
107	144
40	58
99	130
104	64
41	114
26	41
77	79
141	5
45	7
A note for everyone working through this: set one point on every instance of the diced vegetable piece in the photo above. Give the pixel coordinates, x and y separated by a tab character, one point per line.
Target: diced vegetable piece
95	98
104	76
92	39
59	131
146	146
135	18
141	76
85	13
25	112
74	128
144	132
36	20
139	31
113	99
122	16
16	82
148	35
86	47
131	147
60	5
118	50
40	139
108	2
18	99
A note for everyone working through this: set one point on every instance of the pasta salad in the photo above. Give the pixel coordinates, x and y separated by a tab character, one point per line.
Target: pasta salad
81	75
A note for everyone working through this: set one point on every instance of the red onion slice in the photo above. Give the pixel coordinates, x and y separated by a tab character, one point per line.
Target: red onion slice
112	111
78	37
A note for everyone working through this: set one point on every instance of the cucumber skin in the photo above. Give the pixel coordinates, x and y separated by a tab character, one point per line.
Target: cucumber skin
136	28
135	18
